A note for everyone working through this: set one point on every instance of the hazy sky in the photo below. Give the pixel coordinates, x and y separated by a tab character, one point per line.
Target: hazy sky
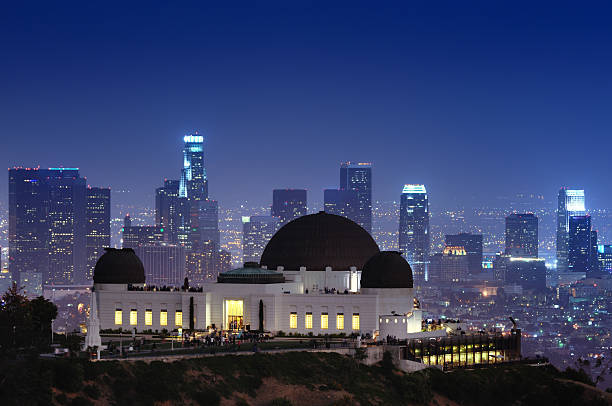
474	99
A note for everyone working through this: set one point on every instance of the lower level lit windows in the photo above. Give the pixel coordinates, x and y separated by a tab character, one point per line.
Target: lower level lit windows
340	321
178	318
355	321
308	321
163	317
293	320
148	317
324	321
118	317
133	317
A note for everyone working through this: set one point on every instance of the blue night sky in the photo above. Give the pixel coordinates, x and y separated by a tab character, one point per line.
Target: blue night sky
474	99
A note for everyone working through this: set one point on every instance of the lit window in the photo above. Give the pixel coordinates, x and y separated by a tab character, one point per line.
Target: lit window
308	320
395	321
340	321
163	317
118	316
133	317
293	320
148	317
324	321
178	318
355	321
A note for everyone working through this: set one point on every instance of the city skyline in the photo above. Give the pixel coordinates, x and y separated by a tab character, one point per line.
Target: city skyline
402	105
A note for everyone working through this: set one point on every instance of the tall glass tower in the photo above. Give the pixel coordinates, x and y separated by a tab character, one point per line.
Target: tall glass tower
414	230
288	204
194	183
571	202
358	177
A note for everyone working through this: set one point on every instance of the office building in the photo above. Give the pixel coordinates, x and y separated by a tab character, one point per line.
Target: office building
579	244
452	265
288	204
256	232
172	212
414	236
571	202
472	243
341	203
164	263
522	235
135	236
204	224
529	273
604	257
97	213
194	182
204	266
28	230
358	177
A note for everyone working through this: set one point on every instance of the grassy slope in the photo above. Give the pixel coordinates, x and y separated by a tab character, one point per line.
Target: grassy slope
305	378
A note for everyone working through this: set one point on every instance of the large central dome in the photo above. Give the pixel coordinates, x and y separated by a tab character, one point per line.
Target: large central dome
317	241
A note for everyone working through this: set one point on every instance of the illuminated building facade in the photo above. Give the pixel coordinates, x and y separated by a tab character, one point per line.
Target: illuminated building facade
98	211
571	202
135	236
204	224
358	177
288	204
256	232
473	248
194	182
604	257
529	273
452	265
414	236
172	212
28	231
522	235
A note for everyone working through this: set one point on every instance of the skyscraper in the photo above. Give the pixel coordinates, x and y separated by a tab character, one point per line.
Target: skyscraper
288	204
97	213
343	203
135	236
171	211
67	225
579	244
28	230
414	230
358	177
522	235
452	265
205	224
473	248
570	202
256	232
194	182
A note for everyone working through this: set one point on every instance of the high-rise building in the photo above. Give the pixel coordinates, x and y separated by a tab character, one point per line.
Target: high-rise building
604	257
135	236
97	213
473	248
594	259
172	212
256	232
358	177
579	244
67	225
28	230
452	265
341	203
194	182
204	224
571	202
288	204
414	230
164	263
530	273
522	235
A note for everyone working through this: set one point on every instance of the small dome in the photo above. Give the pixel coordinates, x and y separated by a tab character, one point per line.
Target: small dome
119	266
317	241
387	269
